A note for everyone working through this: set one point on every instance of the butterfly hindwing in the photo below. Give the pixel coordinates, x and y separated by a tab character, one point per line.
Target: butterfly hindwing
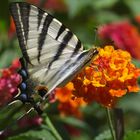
53	53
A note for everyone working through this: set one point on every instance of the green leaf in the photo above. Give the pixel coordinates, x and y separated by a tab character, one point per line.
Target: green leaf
77	123
4	14
87	46
16	1
3	26
6	57
106	135
75	6
136	63
34	135
130	103
134	6
100	4
107	16
135	135
8	113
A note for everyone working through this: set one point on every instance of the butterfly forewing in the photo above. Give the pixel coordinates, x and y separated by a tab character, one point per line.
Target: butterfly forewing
53	53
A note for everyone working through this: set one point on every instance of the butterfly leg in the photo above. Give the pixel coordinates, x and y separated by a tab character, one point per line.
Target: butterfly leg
25	99
36	106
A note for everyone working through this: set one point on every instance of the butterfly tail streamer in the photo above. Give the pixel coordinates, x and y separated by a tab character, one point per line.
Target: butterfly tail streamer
7	123
95	35
13	107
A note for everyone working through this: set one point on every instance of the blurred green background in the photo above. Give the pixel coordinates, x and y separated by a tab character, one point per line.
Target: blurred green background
82	17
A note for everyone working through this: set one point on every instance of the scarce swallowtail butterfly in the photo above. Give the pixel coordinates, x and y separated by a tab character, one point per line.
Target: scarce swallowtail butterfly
52	54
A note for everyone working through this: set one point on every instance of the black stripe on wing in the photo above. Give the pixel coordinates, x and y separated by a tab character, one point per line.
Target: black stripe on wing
77	48
18	10
61	30
78	45
24	12
40	16
82	60
43	34
69	69
67	65
62	46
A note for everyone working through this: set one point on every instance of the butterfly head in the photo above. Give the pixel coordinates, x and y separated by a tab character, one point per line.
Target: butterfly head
95	50
91	54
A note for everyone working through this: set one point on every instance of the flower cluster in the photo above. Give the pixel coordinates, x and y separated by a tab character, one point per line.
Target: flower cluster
9	81
110	76
68	104
124	36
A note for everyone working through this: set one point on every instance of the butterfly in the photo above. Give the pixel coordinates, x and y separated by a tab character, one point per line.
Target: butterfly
51	54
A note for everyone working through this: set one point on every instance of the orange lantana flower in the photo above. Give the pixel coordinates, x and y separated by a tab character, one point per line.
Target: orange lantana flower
68	104
110	76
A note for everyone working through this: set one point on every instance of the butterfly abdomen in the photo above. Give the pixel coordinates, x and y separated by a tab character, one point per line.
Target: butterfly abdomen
29	87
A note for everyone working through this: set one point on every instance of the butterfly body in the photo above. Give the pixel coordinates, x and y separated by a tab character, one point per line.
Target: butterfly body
53	55
28	89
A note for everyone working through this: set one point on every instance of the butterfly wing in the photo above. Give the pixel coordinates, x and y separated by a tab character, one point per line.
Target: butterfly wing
53	53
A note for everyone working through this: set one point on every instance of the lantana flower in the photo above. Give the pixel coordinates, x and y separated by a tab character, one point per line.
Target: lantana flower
68	104
9	81
110	76
124	36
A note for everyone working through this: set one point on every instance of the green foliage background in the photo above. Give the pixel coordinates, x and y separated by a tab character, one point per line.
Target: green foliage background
82	17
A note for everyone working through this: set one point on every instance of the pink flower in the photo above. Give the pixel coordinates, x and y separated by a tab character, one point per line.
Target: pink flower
52	97
28	122
9	81
124	36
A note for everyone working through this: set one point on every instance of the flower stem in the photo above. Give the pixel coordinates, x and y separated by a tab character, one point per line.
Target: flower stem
52	128
110	123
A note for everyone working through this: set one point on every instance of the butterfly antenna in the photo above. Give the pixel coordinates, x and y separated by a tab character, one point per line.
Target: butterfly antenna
95	35
21	97
35	106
